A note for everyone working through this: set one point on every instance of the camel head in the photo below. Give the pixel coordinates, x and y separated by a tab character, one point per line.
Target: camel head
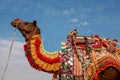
28	29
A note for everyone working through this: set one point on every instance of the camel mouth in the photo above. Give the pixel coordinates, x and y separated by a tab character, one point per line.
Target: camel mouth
13	24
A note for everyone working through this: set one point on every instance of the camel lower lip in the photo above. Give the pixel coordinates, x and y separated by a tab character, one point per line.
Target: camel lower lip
13	24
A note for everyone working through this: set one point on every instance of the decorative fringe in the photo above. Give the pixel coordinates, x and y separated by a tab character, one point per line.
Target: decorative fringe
41	59
72	61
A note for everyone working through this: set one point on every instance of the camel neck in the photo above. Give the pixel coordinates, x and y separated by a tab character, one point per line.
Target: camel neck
33	37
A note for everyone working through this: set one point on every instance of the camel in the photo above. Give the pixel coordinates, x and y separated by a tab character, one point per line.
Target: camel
103	59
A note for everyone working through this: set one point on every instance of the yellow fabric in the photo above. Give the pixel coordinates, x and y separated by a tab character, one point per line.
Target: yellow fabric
50	55
43	65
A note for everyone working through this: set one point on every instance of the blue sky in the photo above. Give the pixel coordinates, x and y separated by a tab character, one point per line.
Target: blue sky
55	18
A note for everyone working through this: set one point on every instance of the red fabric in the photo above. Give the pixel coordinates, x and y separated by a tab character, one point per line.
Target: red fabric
25	47
83	46
106	62
30	59
97	36
96	45
54	76
104	43
43	57
115	40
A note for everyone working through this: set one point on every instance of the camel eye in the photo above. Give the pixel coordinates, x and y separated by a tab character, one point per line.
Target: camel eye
26	23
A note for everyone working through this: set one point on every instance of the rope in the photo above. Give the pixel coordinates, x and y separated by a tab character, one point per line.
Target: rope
6	66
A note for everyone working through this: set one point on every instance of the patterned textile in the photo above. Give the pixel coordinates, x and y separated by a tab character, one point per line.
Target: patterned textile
39	58
78	64
75	61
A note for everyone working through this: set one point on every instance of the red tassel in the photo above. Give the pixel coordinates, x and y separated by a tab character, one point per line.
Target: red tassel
25	47
54	76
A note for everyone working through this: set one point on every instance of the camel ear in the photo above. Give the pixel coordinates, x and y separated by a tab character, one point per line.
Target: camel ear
34	22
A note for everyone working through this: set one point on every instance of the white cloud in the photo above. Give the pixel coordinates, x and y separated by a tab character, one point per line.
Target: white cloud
5	46
100	8
18	68
75	20
84	23
68	11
